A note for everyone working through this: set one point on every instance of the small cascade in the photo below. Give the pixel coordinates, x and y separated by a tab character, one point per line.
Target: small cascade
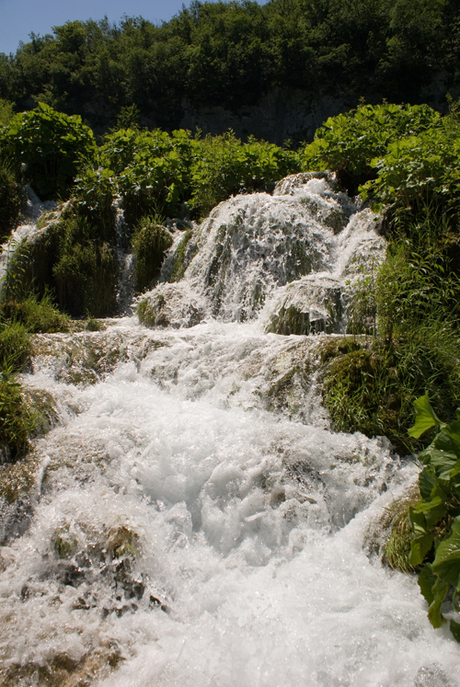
127	281
34	209
302	250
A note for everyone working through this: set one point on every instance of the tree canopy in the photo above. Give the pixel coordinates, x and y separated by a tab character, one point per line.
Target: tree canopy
232	53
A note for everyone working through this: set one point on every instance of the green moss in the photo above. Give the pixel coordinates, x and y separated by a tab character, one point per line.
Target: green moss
180	264
150	241
17	480
390	536
147	313
17	420
14	346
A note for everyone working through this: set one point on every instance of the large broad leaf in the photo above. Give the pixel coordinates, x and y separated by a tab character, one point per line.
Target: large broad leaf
447	560
425	417
455	629
440	589
423	540
426	581
443	462
433	511
453	431
426	482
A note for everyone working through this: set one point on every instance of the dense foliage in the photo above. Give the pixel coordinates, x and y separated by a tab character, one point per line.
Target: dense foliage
47	148
231	54
435	520
146	173
403	160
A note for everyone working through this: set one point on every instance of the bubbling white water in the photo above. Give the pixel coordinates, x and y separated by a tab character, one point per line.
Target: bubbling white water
243	532
194	522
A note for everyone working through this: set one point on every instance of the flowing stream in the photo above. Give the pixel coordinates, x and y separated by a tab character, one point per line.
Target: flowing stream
191	520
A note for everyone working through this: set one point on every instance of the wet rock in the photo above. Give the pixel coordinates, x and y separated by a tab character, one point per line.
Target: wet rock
171	305
308	306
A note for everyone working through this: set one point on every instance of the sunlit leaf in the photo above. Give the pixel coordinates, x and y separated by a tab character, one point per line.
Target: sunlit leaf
425	417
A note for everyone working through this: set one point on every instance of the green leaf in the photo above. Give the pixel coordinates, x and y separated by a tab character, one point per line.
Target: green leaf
425	417
455	629
440	589
426	580
447	560
445	463
426	482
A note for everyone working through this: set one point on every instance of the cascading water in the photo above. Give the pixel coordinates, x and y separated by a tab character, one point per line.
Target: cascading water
34	208
191	520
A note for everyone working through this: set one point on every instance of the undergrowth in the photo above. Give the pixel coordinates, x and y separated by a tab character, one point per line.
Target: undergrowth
19	415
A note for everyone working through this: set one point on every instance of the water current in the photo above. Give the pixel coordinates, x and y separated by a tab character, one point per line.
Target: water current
191	520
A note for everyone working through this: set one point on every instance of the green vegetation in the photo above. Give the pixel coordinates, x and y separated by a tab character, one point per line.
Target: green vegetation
231	54
148	174
409	307
47	147
10	201
150	241
435	520
16	418
21	415
351	143
176	174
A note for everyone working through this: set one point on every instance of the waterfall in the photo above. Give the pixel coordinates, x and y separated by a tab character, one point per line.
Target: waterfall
191	519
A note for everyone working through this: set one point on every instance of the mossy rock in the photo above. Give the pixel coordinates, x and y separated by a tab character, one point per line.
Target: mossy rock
18	481
171	305
308	306
17	419
390	536
81	358
183	255
69	259
62	670
150	242
43	407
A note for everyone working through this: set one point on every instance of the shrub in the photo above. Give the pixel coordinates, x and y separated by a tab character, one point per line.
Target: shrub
10	201
17	421
225	166
351	143
93	197
48	147
14	346
152	169
150	241
420	170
